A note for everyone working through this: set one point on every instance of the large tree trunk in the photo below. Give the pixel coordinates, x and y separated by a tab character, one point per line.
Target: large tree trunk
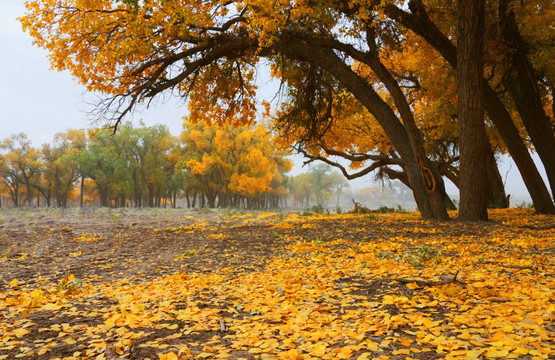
473	152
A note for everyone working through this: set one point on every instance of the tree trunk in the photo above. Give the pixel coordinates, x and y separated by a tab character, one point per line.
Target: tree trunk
497	198
473	152
431	177
15	196
521	82
81	191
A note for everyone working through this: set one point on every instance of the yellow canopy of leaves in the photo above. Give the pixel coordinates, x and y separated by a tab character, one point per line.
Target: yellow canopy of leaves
240	160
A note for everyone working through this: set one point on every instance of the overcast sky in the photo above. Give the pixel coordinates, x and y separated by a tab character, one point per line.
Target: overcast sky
41	102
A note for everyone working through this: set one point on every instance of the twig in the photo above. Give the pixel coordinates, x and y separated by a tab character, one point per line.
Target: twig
422	283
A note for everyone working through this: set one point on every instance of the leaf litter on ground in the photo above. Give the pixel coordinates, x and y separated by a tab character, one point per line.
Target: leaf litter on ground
268	285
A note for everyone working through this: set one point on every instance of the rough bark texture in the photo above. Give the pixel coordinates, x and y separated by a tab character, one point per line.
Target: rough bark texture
473	152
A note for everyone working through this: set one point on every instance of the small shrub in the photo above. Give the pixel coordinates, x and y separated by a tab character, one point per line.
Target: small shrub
69	285
384	209
401	210
318	209
422	256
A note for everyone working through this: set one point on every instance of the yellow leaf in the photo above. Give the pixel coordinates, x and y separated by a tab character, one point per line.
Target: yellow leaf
497	352
109	323
168	356
371	345
364	356
292	354
206	348
318	349
172	327
21	332
387	300
14	282
413	286
465	336
520	351
205	355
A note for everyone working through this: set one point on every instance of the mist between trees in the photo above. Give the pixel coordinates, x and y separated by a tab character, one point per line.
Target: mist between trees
146	166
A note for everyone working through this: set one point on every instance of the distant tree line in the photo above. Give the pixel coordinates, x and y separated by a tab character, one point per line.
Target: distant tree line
145	166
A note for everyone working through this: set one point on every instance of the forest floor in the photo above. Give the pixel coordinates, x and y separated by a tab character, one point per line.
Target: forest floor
175	284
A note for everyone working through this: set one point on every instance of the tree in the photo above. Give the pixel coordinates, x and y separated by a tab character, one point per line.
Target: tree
228	166
21	166
473	175
60	167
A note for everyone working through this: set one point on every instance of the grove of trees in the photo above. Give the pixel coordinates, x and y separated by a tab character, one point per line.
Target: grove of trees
416	90
146	166
319	185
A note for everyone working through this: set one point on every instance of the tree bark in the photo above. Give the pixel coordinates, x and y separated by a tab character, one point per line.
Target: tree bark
473	152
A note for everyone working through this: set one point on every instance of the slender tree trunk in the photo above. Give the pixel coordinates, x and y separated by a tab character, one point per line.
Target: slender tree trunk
431	177
522	84
16	199
81	191
473	152
497	198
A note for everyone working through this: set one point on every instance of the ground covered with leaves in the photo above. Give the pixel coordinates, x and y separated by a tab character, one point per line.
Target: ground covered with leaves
177	285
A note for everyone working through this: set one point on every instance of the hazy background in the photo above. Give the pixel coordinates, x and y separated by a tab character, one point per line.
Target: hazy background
41	102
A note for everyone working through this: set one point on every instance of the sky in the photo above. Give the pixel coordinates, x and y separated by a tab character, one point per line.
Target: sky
41	102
